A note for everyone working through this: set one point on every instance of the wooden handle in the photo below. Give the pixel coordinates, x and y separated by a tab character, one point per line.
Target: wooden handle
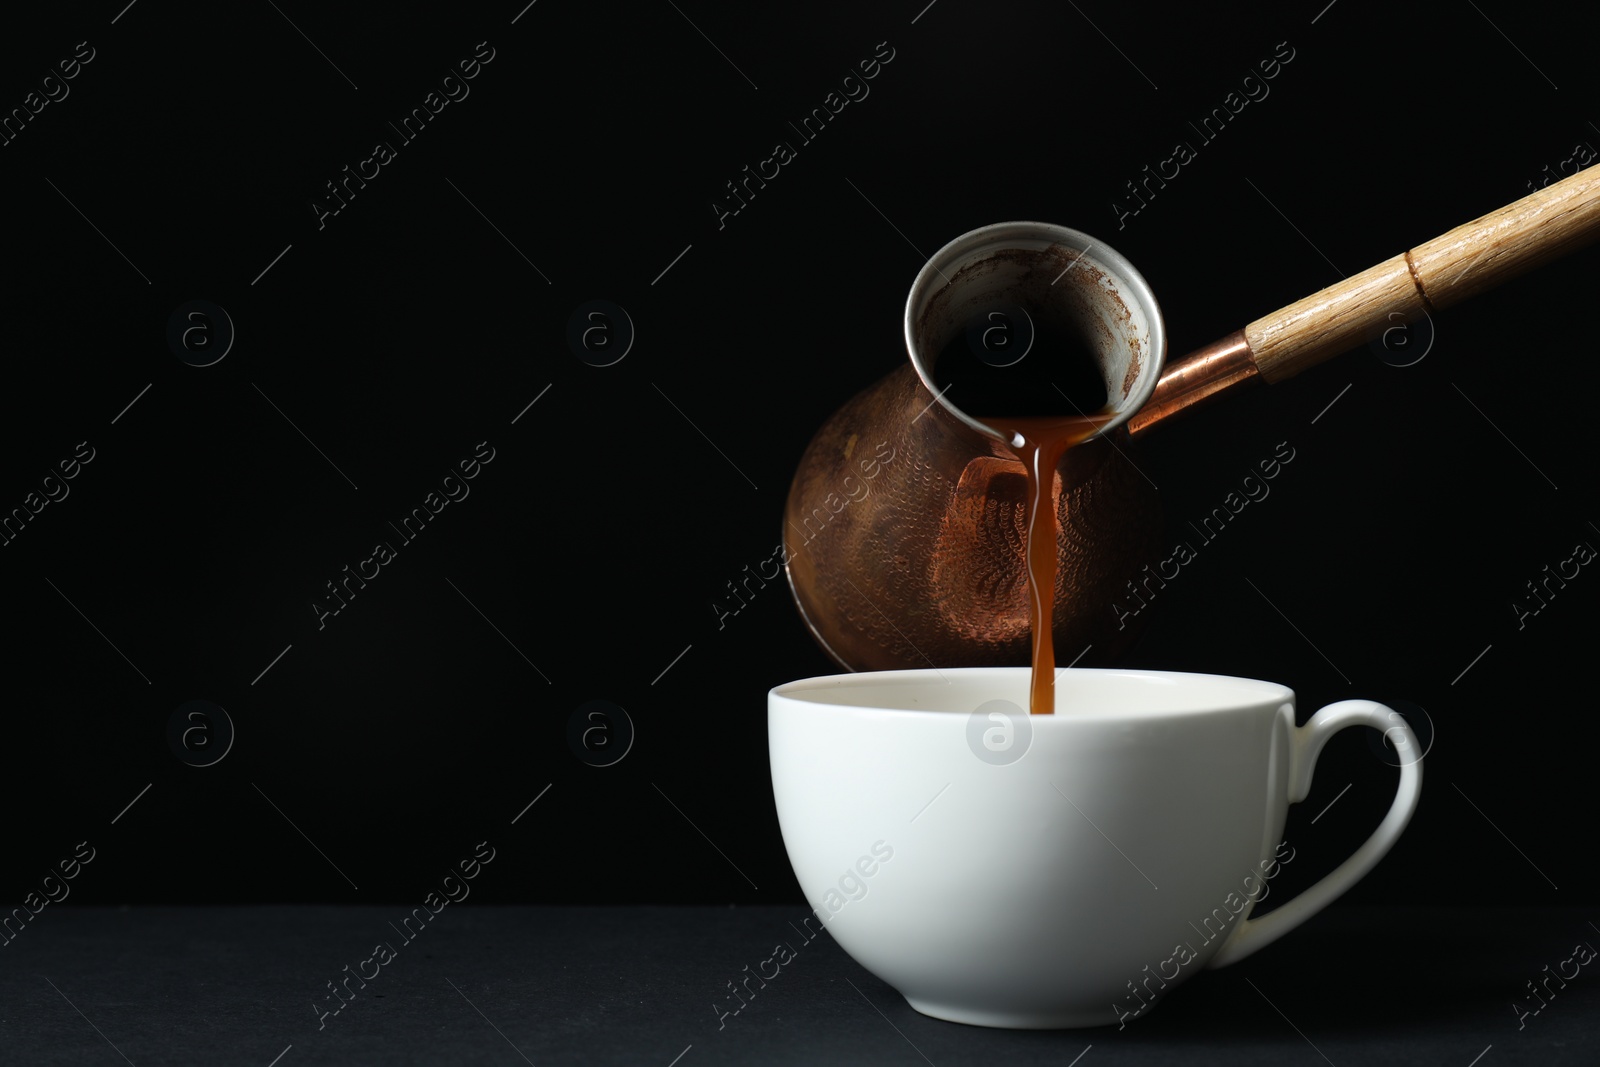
1464	262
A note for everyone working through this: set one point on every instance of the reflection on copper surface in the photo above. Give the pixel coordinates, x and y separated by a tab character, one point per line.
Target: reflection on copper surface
1197	378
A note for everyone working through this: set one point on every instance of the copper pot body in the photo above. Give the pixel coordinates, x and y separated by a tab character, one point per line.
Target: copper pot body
904	525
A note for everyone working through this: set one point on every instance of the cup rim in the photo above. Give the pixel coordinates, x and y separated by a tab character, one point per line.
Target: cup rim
1268	694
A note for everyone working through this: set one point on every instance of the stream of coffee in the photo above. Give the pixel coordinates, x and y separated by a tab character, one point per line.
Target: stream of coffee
1044	441
1058	372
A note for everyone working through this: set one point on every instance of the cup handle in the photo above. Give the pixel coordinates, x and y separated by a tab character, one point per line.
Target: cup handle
1305	744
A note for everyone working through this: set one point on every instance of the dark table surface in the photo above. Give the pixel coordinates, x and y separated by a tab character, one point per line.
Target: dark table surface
546	985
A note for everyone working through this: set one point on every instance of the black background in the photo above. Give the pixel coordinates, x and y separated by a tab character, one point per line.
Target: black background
409	328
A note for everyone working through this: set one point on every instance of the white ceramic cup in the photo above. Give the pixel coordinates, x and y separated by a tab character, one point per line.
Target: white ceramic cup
1034	871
